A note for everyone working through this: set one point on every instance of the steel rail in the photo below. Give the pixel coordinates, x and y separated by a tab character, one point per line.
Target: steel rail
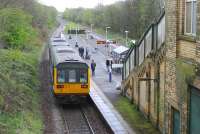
87	121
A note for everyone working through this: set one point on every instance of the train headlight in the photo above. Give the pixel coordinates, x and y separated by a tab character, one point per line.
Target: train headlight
84	86
60	86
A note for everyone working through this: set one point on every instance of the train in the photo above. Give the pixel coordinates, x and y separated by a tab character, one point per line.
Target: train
70	75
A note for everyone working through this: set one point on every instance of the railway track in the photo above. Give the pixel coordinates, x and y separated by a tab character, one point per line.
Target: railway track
76	121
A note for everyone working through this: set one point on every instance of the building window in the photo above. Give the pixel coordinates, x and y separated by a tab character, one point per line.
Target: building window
191	14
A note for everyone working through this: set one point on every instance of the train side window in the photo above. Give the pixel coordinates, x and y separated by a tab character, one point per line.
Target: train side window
61	76
72	75
83	76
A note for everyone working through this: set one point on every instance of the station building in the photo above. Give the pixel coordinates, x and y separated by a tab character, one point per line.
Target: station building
161	73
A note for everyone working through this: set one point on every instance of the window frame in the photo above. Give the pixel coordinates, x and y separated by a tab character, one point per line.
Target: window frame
77	70
192	8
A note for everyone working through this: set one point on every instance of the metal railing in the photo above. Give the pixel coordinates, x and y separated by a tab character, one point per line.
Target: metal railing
151	40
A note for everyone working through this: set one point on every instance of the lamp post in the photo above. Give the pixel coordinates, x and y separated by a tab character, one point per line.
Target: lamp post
126	37
78	27
91	25
107	39
91	36
107	32
70	29
76	36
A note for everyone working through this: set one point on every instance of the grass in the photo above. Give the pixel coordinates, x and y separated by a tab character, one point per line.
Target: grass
136	120
19	98
72	26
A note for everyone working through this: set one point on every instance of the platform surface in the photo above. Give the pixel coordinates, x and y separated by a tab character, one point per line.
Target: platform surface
108	111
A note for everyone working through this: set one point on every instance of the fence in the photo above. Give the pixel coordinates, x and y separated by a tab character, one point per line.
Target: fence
151	40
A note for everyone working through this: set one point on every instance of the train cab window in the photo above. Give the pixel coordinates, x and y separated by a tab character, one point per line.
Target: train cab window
72	75
83	76
61	76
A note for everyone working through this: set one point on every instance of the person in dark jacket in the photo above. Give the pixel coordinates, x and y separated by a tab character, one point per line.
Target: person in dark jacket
93	66
82	52
87	54
107	65
79	50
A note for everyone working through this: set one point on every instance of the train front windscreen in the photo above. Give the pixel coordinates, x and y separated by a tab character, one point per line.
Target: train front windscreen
72	73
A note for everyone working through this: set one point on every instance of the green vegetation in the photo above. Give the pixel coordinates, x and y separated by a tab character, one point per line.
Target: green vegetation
42	18
185	73
19	109
24	26
134	117
131	15
17	30
72	26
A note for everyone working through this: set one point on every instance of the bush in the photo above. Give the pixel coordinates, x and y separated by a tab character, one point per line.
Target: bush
19	99
17	30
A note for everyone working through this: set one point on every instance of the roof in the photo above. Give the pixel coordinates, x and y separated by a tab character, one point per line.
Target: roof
65	54
120	49
59	42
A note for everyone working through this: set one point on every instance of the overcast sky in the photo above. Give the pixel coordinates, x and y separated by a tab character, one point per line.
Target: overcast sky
62	4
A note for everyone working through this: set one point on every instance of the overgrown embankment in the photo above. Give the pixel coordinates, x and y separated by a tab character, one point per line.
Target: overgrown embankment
23	31
19	99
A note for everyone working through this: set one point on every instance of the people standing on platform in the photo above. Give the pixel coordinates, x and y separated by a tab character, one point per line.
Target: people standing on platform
110	74
93	66
111	62
107	65
81	51
86	53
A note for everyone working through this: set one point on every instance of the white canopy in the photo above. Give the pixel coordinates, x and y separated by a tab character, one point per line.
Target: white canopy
120	49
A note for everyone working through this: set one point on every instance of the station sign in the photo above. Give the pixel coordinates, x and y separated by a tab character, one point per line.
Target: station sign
100	42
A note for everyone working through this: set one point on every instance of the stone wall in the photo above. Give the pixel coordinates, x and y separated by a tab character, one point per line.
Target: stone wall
153	95
180	17
198	32
171	98
186	49
157	98
143	96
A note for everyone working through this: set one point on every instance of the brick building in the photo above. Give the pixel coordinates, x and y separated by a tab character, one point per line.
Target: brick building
161	73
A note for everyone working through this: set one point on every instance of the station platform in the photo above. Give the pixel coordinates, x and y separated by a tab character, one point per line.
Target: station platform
107	110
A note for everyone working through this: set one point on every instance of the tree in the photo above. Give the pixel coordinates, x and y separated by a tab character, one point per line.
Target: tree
132	15
17	29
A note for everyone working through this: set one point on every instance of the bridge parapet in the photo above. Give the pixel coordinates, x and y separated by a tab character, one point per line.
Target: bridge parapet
150	43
